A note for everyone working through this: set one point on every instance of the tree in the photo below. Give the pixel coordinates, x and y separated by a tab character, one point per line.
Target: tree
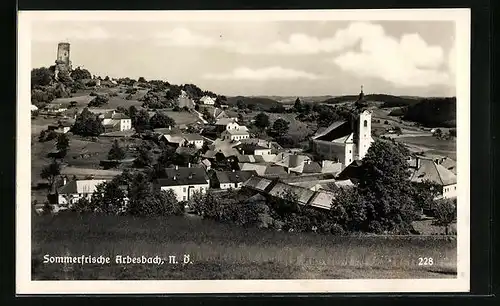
240	104
62	143
141	80
262	121
116	152
438	133
424	194
445	211
141	122
398	130
83	205
280	127
99	101
41	77
108	198
80	74
385	188
452	132
50	173
143	158
132	113
349	209
161	120
196	202
285	203
297	106
87	124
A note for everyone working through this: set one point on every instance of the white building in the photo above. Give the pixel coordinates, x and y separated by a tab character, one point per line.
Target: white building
343	141
75	190
184	182
437	170
235	134
55	108
233	179
207	100
114	121
194	139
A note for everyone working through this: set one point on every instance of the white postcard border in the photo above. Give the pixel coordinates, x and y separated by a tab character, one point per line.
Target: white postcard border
24	284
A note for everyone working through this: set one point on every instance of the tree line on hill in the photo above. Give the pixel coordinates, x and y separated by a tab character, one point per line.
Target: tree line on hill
426	111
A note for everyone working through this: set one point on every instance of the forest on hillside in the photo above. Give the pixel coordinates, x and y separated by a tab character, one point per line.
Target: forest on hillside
433	112
389	100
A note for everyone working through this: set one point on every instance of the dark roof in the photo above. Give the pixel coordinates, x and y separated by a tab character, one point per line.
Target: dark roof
249	148
353	171
312	167
234	176
337	130
275	170
183	176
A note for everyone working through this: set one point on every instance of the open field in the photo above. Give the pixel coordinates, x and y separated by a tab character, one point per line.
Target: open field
432	145
223	251
182	117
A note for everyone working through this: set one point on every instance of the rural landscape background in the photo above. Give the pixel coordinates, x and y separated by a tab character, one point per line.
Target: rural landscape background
380	227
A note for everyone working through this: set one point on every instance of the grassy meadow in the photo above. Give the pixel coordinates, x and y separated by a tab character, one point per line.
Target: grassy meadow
224	251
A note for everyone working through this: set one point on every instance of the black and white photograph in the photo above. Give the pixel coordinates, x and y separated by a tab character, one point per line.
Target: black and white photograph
243	151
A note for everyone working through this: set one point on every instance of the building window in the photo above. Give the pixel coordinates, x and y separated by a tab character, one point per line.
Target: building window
184	198
349	151
366	123
184	189
455	187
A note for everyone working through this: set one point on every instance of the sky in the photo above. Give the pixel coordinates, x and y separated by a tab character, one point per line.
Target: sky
286	58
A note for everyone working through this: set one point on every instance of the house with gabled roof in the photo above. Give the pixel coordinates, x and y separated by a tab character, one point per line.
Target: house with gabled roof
235	134
207	100
433	170
114	121
184	181
232	179
74	190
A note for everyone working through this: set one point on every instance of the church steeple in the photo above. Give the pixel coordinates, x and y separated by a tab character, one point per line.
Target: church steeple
361	103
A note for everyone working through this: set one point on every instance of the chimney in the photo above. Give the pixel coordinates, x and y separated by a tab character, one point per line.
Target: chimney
176	168
189	165
65	179
174	178
417	162
169	128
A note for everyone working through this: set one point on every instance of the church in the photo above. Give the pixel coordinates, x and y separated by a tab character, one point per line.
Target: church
345	141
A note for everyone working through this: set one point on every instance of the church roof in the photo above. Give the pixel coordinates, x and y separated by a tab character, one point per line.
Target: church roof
337	130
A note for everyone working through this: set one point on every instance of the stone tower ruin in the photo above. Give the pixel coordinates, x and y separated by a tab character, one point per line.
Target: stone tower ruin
63	63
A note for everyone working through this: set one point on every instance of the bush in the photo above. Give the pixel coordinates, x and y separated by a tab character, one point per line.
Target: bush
98	101
80	74
41	77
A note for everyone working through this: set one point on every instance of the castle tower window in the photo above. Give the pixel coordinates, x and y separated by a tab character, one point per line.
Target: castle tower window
366	123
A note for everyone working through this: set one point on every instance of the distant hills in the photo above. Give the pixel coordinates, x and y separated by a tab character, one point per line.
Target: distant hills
260	102
428	111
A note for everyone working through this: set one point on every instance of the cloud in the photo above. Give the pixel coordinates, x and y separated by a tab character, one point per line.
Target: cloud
408	62
183	37
70	34
263	74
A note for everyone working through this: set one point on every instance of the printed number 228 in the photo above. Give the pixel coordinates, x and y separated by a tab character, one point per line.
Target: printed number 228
425	261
